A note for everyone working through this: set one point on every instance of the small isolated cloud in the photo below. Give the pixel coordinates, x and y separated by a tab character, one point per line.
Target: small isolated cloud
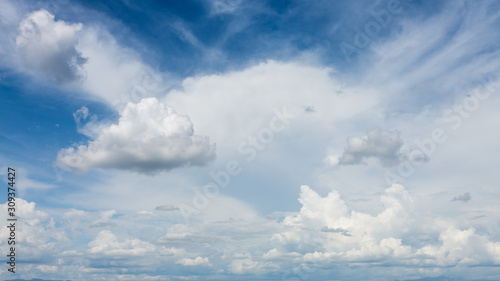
166	208
195	262
80	115
382	145
464	197
48	47
225	6
149	137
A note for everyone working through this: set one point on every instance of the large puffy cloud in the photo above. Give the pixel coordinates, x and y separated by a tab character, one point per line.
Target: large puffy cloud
150	136
58	50
347	235
326	234
48	47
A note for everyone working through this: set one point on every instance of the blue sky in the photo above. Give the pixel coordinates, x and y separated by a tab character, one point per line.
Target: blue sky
252	140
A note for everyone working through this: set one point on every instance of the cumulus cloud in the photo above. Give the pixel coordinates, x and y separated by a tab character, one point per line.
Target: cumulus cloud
318	232
49	47
106	243
47	268
324	233
195	262
347	235
242	265
35	230
62	52
382	145
149	137
382	236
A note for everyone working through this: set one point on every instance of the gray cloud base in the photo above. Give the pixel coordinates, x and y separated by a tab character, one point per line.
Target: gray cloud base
382	145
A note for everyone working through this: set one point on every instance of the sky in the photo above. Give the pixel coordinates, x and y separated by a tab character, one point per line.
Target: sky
251	140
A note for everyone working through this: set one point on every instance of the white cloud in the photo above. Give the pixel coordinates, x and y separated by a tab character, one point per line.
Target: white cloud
47	268
331	160
63	52
224	6
35	231
107	244
353	235
315	208
463	247
382	145
150	136
391	236
80	115
256	93
327	229
243	265
272	254
103	221
397	235
48	47
167	208
195	262
172	251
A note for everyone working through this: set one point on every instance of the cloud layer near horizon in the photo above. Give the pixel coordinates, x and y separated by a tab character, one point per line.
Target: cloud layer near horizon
399	235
